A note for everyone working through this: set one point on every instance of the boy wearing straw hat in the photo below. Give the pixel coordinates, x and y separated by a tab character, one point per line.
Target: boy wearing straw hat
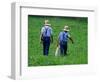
46	37
63	40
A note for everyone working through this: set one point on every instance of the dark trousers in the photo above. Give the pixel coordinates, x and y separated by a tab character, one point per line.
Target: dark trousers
46	45
63	48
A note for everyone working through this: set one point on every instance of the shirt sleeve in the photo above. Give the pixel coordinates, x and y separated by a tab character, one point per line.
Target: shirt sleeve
42	30
69	35
51	31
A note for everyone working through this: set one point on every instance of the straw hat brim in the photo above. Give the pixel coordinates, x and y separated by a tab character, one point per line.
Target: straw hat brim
66	29
47	24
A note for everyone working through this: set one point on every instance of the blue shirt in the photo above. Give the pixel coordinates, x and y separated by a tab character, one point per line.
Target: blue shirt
46	31
63	36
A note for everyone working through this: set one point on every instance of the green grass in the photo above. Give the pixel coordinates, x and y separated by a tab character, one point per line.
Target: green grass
77	52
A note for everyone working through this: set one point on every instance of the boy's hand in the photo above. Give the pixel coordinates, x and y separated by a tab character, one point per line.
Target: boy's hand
72	42
57	45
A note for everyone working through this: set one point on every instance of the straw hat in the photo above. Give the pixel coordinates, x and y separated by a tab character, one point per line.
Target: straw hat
46	22
66	28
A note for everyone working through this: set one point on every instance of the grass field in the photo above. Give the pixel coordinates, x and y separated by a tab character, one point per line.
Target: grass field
77	52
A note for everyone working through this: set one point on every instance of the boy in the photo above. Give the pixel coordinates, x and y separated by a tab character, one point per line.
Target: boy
63	40
46	37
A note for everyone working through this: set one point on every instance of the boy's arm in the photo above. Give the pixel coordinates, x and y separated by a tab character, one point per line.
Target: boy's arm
51	38
41	35
71	40
41	38
58	41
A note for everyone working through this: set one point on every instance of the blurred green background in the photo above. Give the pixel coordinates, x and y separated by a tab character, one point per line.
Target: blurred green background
77	52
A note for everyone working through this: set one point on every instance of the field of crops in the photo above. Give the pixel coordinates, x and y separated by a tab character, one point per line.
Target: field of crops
77	52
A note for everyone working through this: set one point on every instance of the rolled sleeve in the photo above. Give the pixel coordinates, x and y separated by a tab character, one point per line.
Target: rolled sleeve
51	31
69	35
42	30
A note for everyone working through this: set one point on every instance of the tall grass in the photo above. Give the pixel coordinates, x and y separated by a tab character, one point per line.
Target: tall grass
77	52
